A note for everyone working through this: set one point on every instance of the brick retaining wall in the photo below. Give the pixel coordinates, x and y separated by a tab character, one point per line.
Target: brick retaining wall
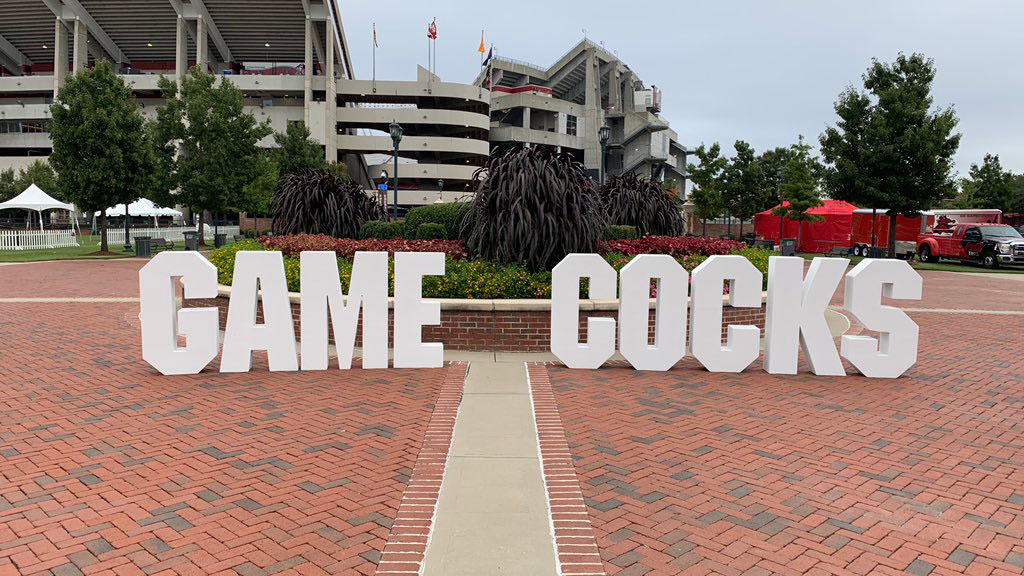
499	325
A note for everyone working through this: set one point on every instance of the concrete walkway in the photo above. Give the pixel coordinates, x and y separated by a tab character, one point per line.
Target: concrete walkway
492	513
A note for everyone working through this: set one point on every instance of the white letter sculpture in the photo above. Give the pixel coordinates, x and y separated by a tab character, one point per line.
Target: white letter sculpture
412	312
895	350
162	321
321	296
670	311
742	342
565	311
259	276
795	315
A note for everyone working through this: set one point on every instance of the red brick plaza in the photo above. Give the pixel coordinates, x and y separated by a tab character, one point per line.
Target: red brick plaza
108	468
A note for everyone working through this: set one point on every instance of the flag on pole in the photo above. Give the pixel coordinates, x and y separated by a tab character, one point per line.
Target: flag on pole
487	60
375	35
481	49
432	30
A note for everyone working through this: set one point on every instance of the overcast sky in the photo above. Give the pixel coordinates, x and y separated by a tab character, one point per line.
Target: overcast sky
758	70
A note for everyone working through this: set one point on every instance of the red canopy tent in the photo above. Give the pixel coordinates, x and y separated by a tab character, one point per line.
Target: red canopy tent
821	236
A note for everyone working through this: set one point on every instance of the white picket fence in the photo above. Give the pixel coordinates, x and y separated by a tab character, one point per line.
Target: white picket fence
174	234
29	240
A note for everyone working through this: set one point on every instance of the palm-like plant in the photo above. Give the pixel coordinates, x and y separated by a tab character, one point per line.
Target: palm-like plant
533	206
318	202
631	200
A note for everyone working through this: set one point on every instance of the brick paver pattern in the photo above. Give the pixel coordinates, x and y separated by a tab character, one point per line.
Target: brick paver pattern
107	467
693	472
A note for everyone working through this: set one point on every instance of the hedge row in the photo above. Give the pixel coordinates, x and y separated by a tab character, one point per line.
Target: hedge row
474	279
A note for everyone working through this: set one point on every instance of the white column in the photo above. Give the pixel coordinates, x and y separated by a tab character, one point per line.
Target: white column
201	44
332	99
308	84
60	56
80	54
180	51
526	117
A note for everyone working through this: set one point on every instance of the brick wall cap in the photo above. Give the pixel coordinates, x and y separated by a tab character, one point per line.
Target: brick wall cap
510	305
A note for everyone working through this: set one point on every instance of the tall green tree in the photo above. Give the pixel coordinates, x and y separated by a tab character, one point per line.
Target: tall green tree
745	192
990	186
890	149
8	185
99	144
798	189
297	150
208	145
707	183
40	173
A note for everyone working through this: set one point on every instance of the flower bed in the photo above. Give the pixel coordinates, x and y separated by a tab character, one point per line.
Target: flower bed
474	279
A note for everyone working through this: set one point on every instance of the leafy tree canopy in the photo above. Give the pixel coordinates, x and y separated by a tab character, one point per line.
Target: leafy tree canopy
707	181
99	143
38	172
217	159
297	150
890	148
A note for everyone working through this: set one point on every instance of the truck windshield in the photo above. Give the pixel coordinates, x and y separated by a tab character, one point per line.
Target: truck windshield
999	231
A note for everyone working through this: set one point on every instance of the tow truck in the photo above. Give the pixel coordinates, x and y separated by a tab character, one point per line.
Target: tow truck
990	244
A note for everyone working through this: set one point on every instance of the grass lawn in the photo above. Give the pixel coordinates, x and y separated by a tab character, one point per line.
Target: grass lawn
89	246
941	266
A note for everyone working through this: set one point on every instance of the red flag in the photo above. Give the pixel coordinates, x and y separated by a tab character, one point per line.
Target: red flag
432	30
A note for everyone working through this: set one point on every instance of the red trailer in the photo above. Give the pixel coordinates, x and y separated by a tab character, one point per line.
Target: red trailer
908	229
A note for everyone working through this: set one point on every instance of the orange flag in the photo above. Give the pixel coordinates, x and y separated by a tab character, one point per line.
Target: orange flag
481	49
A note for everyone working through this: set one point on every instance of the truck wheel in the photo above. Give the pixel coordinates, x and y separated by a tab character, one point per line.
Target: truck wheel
926	254
856	250
989	260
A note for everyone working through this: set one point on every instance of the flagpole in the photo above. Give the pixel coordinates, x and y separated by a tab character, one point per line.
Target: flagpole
375	57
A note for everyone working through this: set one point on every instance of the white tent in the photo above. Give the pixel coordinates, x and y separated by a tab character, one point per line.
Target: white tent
141	207
35	200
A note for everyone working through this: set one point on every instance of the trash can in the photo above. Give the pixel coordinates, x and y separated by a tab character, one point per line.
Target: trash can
143	246
788	246
219	240
191	240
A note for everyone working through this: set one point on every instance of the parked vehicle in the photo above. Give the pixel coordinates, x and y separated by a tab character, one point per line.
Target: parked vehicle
909	228
989	244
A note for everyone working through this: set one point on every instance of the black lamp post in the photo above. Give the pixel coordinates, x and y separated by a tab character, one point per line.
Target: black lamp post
603	134
127	240
396	136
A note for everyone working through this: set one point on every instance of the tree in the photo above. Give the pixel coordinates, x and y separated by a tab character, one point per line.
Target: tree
8	185
297	150
890	150
707	179
217	157
799	189
99	143
745	190
990	186
42	175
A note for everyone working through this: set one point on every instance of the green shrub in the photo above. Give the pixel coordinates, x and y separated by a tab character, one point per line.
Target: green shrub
449	215
224	258
619	232
380	230
251	234
430	231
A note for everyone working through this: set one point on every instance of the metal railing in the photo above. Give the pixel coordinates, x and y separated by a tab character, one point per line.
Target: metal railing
174	234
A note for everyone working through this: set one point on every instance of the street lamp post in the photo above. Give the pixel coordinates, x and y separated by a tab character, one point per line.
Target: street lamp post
396	136
127	240
603	134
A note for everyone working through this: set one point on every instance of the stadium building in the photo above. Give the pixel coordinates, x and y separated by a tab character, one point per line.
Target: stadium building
566	104
289	57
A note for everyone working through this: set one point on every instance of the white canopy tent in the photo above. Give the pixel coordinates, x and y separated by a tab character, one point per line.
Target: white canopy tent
141	207
34	199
